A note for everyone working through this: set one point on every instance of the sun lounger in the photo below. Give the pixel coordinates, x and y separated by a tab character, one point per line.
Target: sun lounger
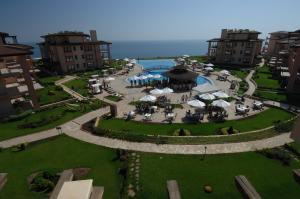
246	188
3	180
173	189
66	176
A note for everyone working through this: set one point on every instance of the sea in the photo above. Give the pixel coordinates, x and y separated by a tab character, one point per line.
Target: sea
149	49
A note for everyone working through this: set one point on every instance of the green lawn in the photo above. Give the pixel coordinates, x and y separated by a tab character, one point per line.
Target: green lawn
11	129
242	74
50	93
113	98
269	177
79	85
275	96
259	121
264	79
58	154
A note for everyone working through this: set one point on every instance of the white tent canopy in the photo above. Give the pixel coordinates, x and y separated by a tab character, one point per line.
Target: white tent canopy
196	103
220	94
207	96
134	78
148	98
205	88
209	68
126	59
225	72
129	65
221	103
157	76
167	90
156	91
109	79
194	61
210	65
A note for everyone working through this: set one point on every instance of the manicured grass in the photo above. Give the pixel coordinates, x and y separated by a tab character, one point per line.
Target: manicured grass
113	98
242	74
58	154
50	93
79	85
269	177
275	96
259	121
11	129
264	79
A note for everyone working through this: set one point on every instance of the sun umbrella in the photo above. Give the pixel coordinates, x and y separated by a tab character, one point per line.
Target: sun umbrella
156	91
209	68
148	98
220	103
157	76
126	59
225	72
133	61
143	77
129	64
167	90
220	94
149	76
194	61
207	96
109	79
134	78
196	103
210	65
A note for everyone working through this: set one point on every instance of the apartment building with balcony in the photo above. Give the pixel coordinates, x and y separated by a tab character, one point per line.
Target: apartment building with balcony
235	48
17	76
70	51
282	55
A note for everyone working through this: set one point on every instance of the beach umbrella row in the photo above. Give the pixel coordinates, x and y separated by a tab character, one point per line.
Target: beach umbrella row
143	77
157	91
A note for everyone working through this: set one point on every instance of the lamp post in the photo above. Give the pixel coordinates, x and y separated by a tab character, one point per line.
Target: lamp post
205	148
59	130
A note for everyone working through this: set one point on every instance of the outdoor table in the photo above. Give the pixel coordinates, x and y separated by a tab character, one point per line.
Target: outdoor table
242	109
258	104
170	115
147	115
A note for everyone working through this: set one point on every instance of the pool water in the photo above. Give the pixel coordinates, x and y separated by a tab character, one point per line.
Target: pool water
159	66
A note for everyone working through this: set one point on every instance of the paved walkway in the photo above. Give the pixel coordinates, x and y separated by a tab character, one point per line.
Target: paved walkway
68	90
72	129
251	84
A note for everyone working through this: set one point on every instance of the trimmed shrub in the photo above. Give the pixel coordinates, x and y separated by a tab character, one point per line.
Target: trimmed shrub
278	154
228	131
182	132
282	127
44	182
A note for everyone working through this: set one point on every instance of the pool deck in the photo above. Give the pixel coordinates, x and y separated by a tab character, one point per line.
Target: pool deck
122	86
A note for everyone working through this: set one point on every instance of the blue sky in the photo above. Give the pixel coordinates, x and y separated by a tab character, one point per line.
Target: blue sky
146	19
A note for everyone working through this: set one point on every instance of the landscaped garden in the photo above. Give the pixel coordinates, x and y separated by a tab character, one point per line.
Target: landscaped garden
50	93
192	172
113	98
57	155
262	120
264	79
31	122
79	85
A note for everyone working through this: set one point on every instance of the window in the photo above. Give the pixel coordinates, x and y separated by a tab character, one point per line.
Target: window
233	52
74	48
81	48
67	49
88	48
241	52
69	58
84	65
240	60
82	56
89	57
76	57
77	65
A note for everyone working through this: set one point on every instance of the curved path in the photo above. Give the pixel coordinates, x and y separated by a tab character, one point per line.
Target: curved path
73	129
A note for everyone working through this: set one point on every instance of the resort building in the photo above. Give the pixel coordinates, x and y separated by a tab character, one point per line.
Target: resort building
17	78
283	58
235	47
67	51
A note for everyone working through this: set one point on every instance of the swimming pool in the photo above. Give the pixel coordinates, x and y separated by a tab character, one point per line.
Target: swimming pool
159	66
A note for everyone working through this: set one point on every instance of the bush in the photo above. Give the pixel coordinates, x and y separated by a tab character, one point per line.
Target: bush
292	149
19	147
44	182
283	127
182	132
228	131
277	154
50	92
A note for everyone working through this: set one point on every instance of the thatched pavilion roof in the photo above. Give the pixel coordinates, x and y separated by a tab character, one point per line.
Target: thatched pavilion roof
181	73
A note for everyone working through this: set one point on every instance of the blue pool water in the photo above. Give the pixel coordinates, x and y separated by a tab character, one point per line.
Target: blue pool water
157	63
159	66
